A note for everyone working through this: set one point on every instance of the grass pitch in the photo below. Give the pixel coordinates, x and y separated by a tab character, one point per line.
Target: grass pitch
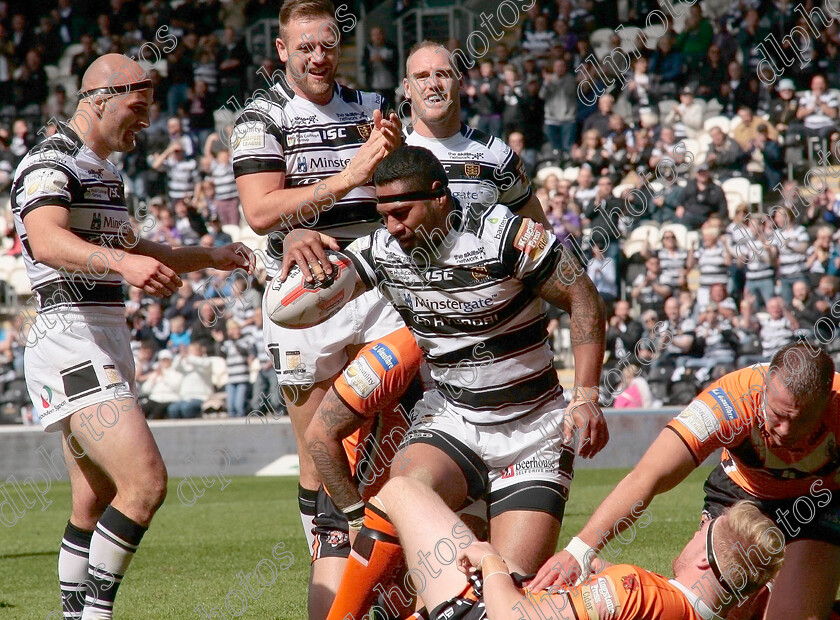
192	556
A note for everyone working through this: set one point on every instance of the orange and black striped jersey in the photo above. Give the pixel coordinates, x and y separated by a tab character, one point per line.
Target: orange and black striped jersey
626	592
376	385
619	592
729	414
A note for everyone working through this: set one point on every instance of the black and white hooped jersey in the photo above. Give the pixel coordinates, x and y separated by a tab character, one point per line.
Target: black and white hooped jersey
62	171
283	132
482	170
473	310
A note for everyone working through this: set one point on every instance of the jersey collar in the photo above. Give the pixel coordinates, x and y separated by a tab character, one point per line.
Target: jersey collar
285	86
68	133
698	604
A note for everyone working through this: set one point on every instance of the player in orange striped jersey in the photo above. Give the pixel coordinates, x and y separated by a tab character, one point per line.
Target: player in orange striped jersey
778	425
708	572
354	437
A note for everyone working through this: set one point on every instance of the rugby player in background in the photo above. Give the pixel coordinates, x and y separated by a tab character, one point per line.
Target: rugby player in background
496	426
707	573
69	207
482	170
303	153
778	425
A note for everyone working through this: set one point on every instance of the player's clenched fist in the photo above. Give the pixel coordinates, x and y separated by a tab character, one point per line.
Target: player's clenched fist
469	559
584	423
150	274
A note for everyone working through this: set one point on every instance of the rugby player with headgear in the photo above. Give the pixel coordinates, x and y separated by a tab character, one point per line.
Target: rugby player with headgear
68	202
496	426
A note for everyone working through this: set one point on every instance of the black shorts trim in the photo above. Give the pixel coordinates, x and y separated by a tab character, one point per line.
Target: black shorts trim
474	470
412	395
469	603
78	291
331	529
791	515
80	381
535	495
376	534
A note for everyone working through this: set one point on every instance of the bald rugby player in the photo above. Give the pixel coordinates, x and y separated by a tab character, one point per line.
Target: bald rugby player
778	426
482	170
79	249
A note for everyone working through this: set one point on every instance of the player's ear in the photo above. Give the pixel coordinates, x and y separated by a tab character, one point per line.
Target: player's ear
441	199
282	52
99	103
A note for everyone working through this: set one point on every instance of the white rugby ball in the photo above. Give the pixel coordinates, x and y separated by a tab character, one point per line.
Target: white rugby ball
298	304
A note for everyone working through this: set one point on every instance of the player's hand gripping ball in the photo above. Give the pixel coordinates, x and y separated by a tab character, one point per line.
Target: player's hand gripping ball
297	304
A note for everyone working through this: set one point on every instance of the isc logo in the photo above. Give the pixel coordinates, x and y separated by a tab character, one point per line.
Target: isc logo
334	132
438	275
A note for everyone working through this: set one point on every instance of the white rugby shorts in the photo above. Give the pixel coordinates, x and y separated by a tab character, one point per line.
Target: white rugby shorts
306	356
77	359
524	464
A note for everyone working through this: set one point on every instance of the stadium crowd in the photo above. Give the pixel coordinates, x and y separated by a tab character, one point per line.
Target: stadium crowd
697	284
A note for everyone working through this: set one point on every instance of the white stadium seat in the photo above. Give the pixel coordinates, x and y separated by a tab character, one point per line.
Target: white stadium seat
629	33
704	140
571	174
601	37
733	201
644	232
633	247
680	232
756	196
666	105
232	230
717	121
618	190
65	63
10	263
652	35
692	146
544	173
737	185
713	108
20	281
692	239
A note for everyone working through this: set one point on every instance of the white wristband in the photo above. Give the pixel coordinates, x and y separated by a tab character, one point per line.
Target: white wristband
584	554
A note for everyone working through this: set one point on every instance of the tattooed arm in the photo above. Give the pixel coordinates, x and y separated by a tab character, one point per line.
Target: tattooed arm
333	421
570	289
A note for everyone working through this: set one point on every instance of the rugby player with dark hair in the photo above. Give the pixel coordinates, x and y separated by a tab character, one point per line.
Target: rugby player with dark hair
79	248
481	171
469	284
778	425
